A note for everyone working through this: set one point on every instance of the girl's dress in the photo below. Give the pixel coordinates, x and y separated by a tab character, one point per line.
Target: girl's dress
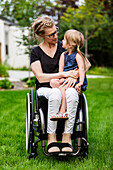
70	63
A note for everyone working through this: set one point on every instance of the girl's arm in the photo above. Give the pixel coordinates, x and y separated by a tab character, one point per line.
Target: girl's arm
69	82
80	63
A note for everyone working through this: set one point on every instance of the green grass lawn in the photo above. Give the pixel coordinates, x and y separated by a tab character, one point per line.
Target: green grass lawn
105	71
13	128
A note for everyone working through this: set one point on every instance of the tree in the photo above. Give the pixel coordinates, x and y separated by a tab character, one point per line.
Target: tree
89	18
23	12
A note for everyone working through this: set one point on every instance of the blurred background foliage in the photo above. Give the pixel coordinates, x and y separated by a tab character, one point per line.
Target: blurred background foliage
93	18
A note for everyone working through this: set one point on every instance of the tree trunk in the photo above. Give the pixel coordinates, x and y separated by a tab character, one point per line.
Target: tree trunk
86	43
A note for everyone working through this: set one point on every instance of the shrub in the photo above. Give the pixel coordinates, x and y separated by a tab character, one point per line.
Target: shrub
31	83
3	71
6	84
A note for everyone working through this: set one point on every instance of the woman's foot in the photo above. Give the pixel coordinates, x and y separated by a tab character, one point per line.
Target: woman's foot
66	138
59	116
52	140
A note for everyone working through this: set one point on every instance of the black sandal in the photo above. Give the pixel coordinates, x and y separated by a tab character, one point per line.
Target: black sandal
67	145
53	144
60	146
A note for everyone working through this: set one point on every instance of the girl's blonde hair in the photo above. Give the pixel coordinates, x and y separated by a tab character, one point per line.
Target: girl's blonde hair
75	39
39	25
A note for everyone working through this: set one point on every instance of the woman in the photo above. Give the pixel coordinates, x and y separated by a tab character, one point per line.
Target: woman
44	64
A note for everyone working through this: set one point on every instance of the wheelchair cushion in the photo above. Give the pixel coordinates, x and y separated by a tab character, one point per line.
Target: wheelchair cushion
43	102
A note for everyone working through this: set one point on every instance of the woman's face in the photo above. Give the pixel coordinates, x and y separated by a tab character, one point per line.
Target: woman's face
51	35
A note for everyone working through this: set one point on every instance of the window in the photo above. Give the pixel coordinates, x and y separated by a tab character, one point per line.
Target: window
6	49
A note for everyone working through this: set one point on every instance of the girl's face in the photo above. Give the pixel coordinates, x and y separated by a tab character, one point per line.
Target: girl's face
64	43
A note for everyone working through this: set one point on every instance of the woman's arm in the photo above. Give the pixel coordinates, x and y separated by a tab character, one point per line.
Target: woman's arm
43	77
46	77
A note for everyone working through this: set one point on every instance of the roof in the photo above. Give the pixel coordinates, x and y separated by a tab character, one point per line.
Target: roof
7	21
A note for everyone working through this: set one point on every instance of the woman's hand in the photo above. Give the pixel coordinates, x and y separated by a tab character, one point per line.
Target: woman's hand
72	73
69	82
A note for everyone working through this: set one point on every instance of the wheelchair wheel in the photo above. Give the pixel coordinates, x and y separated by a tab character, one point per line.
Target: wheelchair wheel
82	127
32	103
28	123
85	116
84	142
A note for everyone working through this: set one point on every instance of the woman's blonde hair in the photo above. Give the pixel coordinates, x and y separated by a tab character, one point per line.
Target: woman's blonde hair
75	39
40	23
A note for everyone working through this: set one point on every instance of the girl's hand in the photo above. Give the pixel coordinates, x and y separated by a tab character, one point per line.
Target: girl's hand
78	87
69	82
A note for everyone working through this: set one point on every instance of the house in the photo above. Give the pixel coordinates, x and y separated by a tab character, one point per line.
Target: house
10	52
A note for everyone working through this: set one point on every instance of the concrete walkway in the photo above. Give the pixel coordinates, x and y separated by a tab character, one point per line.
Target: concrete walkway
15	75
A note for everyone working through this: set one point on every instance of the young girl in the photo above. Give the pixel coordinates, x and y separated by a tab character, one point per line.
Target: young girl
69	60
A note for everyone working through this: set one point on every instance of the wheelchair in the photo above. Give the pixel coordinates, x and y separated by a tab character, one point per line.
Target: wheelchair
36	127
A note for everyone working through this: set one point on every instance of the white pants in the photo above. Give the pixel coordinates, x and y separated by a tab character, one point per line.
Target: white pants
54	100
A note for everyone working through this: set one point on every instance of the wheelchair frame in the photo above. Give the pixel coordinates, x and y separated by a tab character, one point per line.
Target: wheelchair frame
36	127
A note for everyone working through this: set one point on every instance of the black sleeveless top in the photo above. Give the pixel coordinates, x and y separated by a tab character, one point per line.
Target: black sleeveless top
70	63
48	64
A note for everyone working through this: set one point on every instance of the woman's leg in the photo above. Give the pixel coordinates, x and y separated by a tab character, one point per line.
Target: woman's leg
54	100
72	99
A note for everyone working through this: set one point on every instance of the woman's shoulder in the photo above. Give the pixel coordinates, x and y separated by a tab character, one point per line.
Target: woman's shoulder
35	48
35	54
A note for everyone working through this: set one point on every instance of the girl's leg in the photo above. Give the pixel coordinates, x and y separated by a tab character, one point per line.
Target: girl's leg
56	83
63	102
72	99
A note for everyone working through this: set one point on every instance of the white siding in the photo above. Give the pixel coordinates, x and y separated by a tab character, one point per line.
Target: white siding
9	35
2	40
